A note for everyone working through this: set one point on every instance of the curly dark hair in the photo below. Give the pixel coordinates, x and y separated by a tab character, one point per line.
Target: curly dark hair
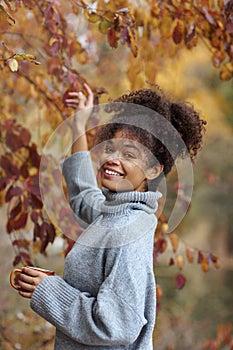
181	115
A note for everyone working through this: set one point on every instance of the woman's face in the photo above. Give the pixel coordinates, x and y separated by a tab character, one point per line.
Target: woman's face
123	164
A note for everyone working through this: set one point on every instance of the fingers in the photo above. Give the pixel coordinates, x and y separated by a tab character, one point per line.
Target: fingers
25	294
77	99
30	272
90	96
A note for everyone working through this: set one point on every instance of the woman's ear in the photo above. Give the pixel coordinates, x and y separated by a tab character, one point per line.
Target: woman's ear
153	172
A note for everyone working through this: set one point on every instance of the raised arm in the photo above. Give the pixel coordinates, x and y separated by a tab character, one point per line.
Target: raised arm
84	195
83	105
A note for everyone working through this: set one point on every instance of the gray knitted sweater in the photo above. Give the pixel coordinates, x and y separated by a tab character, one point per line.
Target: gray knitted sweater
106	298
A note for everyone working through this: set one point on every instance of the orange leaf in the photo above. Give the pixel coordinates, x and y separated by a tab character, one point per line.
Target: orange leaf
159	291
189	254
205	264
174	241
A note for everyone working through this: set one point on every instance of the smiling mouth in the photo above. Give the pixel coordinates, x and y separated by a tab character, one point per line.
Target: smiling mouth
112	172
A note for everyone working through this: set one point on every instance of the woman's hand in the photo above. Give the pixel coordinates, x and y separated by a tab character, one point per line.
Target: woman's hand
29	280
80	102
83	105
77	99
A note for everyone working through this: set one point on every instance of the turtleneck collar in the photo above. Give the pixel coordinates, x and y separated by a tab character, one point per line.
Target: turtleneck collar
120	201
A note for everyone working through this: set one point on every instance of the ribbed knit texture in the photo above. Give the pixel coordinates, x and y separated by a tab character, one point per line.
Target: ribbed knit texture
106	298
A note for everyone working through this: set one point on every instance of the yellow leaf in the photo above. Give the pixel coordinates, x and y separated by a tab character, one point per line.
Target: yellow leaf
13	64
33	171
52	41
104	26
164	227
24	56
93	17
226	72
180	261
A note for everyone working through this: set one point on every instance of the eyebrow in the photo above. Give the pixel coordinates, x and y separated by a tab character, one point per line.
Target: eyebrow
125	145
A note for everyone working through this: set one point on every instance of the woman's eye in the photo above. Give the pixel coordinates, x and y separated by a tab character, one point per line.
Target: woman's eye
108	149
129	155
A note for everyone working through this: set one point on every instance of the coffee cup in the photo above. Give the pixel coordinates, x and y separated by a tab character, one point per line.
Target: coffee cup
14	275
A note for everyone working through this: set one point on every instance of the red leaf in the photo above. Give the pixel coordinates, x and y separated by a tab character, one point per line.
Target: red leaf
16	210
32	185
36	232
17	260
180	281
171	262
13	191
34	216
177	34
2	183
21	243
34	156
34	201
200	257
17	224
24	171
112	38
11	170
26	258
17	137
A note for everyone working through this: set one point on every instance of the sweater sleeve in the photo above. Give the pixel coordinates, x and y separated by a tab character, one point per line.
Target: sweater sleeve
115	316
84	195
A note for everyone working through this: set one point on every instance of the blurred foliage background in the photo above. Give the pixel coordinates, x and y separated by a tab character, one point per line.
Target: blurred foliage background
48	47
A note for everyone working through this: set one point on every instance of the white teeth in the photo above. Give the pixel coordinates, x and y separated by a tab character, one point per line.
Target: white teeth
110	172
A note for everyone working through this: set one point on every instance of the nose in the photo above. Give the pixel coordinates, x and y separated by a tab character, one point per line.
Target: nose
113	159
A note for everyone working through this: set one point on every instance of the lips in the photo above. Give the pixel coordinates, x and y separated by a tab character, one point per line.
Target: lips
112	172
